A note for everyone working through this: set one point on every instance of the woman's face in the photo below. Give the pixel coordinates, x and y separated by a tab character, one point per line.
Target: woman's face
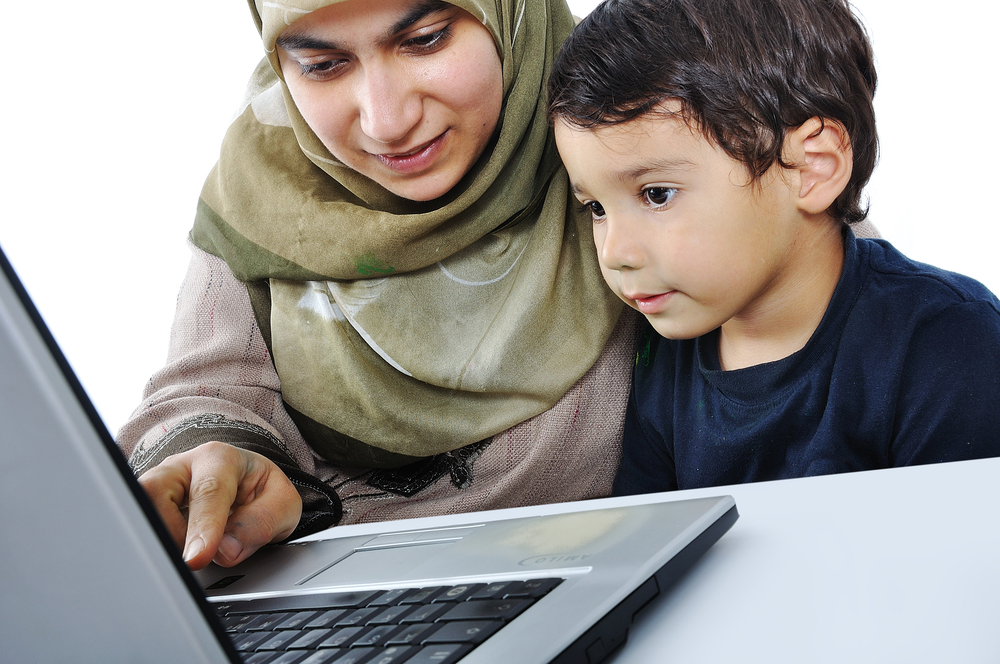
406	92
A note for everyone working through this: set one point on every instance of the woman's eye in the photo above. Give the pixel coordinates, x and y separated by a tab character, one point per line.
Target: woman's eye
430	41
596	210
322	70
658	196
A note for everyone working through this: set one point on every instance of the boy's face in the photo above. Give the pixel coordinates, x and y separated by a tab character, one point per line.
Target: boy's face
681	236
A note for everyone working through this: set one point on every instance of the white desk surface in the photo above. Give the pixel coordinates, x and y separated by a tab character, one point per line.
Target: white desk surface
887	566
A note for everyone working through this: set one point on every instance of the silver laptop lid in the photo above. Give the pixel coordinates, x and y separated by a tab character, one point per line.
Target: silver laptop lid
84	576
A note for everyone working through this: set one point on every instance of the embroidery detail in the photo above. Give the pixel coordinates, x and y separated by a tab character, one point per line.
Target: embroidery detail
143	455
415	477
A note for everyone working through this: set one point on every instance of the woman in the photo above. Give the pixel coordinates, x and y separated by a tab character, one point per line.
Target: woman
393	309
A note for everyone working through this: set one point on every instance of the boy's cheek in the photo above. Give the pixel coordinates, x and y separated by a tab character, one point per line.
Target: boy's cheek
611	278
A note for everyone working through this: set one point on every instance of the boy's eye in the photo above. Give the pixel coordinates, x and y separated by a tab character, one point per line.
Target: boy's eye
658	196
596	210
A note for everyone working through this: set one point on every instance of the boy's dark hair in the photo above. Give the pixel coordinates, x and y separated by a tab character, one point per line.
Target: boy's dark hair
744	72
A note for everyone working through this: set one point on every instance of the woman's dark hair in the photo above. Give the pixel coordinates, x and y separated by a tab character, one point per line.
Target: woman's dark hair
744	72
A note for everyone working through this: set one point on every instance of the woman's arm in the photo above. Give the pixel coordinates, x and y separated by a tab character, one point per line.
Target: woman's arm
218	379
219	386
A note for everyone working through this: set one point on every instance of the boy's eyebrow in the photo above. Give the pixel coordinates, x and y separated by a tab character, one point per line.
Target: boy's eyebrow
654	166
303	42
630	175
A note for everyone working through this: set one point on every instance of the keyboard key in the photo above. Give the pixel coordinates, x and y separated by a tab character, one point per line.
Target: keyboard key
375	637
236	622
390	616
266	622
535	588
458	593
503	609
260	657
324	656
466	631
356	656
390	597
248	642
422	596
392	655
309	638
412	634
280	640
327	618
357	617
446	653
289	658
342	638
298	620
293	603
493	590
426	613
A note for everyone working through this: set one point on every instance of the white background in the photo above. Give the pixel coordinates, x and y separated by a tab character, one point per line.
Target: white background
113	112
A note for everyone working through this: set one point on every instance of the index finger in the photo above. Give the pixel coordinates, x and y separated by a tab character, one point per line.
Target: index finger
215	477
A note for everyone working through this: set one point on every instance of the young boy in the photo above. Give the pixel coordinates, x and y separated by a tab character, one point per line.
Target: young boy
721	147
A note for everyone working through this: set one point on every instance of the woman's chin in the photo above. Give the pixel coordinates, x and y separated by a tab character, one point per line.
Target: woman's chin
420	189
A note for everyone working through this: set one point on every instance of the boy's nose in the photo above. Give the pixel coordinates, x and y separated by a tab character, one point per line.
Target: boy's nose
388	105
618	245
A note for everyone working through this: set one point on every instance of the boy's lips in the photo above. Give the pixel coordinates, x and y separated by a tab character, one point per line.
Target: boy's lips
415	159
650	304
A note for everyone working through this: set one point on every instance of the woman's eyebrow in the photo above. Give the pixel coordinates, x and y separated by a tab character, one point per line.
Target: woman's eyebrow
416	13
303	42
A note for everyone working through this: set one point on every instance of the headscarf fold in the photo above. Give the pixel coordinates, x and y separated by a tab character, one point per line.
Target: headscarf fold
403	329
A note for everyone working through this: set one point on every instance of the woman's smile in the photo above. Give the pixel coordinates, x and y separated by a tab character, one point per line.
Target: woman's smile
416	160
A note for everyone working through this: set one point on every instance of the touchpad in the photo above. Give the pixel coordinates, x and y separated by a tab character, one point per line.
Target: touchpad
378	565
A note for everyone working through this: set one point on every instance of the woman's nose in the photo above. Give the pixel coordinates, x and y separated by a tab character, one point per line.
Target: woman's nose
389	104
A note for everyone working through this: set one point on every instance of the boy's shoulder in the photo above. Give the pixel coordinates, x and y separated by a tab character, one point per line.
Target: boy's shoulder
910	316
902	281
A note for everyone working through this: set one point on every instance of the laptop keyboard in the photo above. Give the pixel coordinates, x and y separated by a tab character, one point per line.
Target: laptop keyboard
436	625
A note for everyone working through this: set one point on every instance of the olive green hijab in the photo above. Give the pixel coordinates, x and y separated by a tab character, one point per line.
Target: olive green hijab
402	329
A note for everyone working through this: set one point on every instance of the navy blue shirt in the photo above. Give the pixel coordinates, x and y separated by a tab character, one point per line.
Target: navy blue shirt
903	369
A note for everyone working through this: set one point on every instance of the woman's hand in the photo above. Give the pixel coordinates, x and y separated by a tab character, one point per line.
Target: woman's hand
222	503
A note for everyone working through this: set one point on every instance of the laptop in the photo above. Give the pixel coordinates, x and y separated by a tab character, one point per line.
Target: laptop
88	572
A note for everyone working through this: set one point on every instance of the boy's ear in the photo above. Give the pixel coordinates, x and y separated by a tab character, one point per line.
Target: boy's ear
820	150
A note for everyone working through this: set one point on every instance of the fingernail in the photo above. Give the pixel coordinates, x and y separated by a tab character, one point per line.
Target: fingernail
230	547
193	547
